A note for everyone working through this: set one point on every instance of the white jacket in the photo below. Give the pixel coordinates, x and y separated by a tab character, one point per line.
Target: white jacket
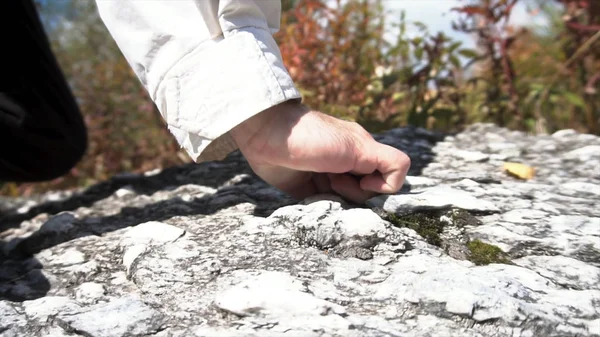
208	65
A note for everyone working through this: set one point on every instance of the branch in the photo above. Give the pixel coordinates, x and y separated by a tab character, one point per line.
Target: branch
581	27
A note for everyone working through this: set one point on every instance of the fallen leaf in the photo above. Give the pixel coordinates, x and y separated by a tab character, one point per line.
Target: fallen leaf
519	170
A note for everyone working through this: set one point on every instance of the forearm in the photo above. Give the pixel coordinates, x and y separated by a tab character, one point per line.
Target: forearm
207	65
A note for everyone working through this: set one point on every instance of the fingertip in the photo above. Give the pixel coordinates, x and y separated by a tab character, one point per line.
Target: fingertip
349	187
378	184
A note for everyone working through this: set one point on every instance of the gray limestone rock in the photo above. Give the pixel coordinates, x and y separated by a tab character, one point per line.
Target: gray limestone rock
11	320
211	250
438	197
279	300
125	316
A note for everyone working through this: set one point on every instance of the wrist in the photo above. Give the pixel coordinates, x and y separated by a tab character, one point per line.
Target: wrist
251	132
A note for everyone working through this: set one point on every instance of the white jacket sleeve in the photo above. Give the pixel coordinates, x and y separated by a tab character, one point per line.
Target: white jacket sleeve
208	65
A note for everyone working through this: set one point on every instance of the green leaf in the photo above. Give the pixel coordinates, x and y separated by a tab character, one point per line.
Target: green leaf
470	53
455	61
453	46
422	27
531	96
574	99
537	87
416	41
398	96
530	123
419	53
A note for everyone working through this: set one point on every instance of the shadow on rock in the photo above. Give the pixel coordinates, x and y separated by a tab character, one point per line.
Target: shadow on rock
210	174
22	280
22	277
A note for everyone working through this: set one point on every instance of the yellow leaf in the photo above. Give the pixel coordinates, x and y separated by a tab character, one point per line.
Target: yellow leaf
519	170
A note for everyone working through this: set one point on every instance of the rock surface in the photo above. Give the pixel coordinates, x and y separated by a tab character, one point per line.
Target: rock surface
210	250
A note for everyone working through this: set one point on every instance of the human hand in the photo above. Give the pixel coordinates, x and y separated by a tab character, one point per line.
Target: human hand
304	152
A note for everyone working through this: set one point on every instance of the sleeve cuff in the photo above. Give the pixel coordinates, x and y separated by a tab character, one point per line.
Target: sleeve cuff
219	85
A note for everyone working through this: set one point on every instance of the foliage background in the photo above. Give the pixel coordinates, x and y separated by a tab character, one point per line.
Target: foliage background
535	79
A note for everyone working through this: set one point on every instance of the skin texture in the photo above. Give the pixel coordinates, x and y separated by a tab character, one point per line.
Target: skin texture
305	152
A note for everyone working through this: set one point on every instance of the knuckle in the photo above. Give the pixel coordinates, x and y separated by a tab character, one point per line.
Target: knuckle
354	126
359	129
405	159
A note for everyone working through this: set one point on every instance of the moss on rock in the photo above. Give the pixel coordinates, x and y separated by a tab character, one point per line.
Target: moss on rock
427	225
484	253
431	228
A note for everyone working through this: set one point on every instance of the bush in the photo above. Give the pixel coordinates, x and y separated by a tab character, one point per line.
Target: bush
518	77
339	58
